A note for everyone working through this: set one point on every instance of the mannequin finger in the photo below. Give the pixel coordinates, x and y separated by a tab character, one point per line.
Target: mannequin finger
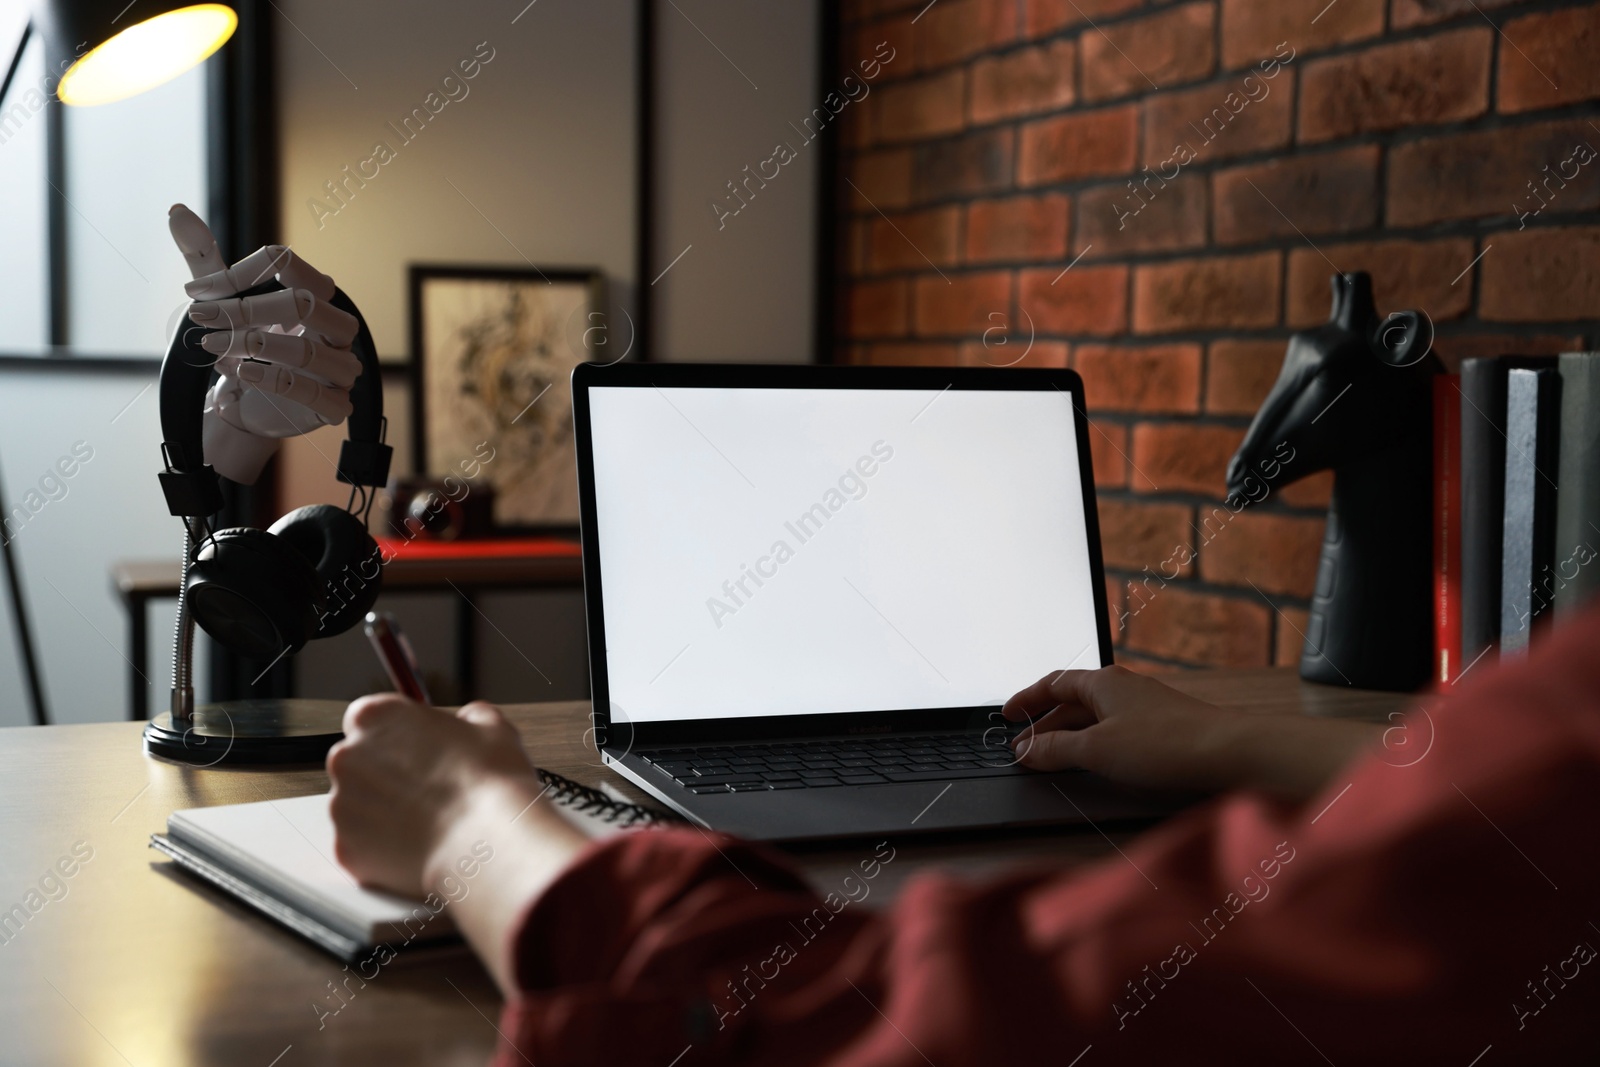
237	312
336	327
269	261
287	306
228	344
296	273
193	238
337	366
331	404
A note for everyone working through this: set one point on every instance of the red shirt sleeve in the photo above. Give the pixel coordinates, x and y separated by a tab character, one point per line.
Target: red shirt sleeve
1436	903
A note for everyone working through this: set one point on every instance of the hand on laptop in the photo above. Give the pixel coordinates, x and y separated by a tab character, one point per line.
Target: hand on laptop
1133	729
418	791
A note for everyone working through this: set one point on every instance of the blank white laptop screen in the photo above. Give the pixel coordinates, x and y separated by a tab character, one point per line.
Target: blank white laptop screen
805	551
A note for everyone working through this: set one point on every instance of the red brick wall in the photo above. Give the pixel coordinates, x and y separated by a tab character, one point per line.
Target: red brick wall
1007	139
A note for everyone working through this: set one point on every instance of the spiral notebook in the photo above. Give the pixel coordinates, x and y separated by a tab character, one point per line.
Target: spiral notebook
277	857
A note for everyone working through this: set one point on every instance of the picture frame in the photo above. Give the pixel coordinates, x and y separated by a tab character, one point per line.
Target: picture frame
492	352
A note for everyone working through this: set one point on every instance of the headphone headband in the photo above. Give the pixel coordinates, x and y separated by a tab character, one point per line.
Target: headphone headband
192	488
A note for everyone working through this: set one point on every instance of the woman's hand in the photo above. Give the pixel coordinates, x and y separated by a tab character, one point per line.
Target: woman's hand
1133	729
1123	725
418	792
405	773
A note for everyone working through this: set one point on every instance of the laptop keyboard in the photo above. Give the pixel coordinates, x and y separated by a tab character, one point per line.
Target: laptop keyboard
819	764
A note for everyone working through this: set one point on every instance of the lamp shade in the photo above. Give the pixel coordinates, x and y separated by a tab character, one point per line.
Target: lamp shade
112	49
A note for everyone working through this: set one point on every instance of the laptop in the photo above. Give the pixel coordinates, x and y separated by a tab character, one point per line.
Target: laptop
810	589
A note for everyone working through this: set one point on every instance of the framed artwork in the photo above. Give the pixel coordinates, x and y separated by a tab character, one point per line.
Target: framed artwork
492	351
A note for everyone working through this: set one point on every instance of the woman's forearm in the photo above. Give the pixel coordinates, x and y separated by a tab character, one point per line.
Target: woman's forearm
1291	756
528	845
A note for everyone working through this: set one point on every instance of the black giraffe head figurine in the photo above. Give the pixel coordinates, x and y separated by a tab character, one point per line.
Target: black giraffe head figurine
1354	395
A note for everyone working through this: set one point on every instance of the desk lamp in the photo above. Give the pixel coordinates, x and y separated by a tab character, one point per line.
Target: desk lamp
251	589
136	46
121	49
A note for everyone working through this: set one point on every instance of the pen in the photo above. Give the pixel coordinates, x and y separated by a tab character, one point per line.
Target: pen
383	630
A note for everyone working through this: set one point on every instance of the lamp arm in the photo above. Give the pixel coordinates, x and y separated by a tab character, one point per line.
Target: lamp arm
16	61
182	705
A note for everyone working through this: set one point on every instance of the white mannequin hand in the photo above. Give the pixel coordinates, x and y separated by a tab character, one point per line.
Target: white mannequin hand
284	357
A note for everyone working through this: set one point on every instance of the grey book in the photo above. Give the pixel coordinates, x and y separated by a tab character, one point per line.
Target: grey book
1577	565
1533	428
1483	482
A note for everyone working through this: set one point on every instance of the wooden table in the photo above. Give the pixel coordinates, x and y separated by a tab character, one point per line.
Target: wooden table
466	567
135	964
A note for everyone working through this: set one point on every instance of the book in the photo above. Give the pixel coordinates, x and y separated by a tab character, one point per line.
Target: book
1533	437
1447	527
1483	469
277	857
1578	486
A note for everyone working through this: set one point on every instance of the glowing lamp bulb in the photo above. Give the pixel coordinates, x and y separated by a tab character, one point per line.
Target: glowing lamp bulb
147	54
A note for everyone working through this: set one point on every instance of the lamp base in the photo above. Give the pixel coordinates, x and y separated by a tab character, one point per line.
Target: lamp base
249	731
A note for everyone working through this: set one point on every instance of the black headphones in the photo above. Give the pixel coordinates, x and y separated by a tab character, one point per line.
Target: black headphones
264	593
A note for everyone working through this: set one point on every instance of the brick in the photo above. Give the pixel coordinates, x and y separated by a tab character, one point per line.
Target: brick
1278	553
1217	122
1555	46
876	309
1021	227
1444	78
855	128
1108	453
1151	379
920	108
888	7
1543	275
1493	172
1406	275
1405	14
1116	220
1080	145
1182	457
961	305
882	180
1025	82
1044	17
912	354
853	249
1167	48
898	34
915	239
1114	601
1290	636
1240	374
1145	665
1084	300
1232	292
1012	348
1303	195
1137	534
1452	349
965	166
1252	30
953	30
1176	623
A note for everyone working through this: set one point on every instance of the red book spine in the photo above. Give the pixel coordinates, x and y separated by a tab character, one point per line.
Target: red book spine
1447	528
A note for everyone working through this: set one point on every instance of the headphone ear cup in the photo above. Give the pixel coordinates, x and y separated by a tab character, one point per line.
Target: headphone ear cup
344	559
252	593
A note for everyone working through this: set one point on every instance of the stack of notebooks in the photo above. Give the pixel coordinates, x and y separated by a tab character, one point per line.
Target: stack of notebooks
277	857
1516	502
